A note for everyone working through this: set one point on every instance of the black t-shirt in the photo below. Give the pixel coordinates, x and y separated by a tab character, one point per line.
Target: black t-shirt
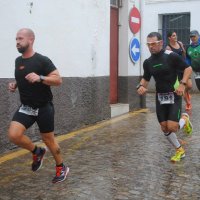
33	94
164	67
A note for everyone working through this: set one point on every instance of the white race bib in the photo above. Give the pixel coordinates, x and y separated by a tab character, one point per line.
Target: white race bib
28	110
166	98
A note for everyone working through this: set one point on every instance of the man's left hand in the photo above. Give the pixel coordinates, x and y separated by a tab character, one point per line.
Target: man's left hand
32	77
180	90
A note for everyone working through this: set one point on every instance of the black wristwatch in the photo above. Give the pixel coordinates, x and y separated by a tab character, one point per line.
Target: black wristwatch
42	78
138	86
184	83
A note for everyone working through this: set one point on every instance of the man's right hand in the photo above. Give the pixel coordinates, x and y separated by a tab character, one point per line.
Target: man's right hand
12	86
142	90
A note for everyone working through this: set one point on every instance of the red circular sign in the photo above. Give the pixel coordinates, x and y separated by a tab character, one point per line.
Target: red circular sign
134	20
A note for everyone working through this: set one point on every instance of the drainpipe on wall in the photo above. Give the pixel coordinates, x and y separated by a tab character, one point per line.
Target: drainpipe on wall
142	98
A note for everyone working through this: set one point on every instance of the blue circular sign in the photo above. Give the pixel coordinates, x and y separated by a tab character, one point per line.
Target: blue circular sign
134	50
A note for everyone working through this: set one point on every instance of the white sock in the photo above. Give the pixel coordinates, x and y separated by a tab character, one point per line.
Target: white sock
181	123
173	139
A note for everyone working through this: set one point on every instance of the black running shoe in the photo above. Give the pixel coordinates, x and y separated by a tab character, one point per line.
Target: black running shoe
38	159
61	174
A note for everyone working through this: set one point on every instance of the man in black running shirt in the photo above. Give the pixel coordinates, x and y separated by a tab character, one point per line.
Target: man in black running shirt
34	74
164	66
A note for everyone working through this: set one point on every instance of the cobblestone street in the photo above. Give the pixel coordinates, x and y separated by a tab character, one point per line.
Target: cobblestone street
126	157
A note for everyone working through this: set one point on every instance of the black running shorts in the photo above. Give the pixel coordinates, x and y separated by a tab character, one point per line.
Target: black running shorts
45	118
170	112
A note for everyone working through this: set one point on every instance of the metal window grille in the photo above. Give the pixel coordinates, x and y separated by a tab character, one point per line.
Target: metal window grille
114	3
178	22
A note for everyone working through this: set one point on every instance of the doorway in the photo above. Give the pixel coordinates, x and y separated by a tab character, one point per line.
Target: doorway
114	32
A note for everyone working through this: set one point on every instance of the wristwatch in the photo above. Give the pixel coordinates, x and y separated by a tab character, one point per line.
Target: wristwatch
138	86
42	78
184	83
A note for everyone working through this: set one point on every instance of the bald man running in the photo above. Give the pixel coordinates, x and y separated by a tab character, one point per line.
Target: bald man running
34	74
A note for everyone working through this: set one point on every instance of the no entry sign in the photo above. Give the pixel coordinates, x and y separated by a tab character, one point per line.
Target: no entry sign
134	20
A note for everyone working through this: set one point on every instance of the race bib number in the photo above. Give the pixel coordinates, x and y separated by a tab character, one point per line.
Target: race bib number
166	98
28	110
197	75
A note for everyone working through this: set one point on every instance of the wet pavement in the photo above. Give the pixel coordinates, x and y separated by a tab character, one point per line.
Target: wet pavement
123	158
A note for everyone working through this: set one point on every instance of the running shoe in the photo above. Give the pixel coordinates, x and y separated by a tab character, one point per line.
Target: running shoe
61	174
38	159
180	153
188	128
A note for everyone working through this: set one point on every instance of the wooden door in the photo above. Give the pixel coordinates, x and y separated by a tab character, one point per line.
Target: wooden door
113	55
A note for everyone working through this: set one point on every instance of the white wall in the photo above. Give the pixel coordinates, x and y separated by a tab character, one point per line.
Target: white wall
74	34
126	66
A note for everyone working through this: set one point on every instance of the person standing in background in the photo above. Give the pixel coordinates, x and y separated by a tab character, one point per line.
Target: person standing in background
193	56
178	47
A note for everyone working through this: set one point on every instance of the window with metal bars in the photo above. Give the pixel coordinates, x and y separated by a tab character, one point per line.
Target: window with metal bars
178	22
114	3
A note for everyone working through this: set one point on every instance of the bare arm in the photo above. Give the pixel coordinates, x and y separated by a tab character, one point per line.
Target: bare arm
186	75
142	87
52	79
182	46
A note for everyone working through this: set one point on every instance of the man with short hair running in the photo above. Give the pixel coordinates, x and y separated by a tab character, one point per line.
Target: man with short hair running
34	74
164	65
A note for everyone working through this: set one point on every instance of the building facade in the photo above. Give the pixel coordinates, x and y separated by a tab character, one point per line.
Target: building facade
75	35
164	15
95	49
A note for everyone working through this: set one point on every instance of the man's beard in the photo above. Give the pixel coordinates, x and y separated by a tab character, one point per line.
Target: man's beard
22	49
